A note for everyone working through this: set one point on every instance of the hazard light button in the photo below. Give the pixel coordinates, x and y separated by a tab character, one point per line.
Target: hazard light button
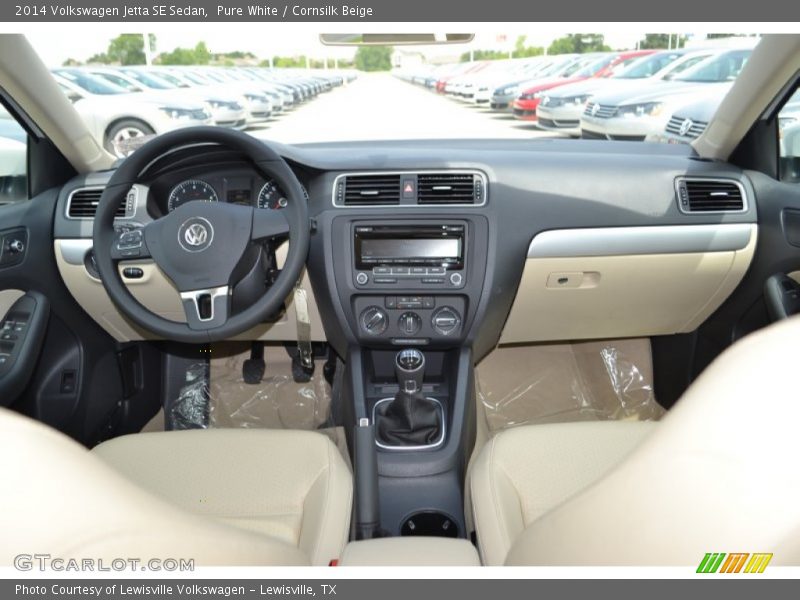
409	186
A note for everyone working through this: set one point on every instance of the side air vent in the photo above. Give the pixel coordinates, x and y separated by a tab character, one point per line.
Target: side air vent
710	195
369	190
449	188
82	203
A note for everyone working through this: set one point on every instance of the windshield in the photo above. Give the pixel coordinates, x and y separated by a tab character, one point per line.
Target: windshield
90	83
721	68
151	81
647	66
292	89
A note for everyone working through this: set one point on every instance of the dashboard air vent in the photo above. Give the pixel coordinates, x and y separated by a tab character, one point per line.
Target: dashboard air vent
82	204
449	188
370	190
710	195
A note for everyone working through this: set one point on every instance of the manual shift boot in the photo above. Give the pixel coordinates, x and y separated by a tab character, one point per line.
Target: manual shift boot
409	420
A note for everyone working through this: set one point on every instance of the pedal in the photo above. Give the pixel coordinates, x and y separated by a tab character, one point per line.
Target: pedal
300	372
254	367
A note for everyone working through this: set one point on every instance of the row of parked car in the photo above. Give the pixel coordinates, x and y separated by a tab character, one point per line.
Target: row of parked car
123	104
659	95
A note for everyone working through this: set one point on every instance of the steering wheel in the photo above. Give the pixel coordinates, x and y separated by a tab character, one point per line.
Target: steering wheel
199	245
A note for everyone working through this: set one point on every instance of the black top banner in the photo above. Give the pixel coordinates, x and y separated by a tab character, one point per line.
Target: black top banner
442	11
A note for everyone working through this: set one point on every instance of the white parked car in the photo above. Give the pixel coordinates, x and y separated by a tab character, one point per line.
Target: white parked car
115	116
560	109
634	114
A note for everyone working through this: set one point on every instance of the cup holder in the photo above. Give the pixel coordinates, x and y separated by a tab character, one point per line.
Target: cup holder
430	523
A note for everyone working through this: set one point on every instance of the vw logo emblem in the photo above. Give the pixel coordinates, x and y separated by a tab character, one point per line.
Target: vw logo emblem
195	234
685	126
595	109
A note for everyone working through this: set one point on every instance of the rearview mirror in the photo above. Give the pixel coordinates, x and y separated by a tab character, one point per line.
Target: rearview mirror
394	39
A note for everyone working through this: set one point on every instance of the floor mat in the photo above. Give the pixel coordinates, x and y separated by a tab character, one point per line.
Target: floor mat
548	383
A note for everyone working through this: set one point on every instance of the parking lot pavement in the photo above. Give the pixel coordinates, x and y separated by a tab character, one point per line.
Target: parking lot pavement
379	106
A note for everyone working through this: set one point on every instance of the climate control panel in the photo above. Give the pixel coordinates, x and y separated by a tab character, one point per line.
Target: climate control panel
409	320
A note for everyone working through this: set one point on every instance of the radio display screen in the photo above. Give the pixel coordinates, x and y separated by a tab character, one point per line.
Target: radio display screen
409	246
382	249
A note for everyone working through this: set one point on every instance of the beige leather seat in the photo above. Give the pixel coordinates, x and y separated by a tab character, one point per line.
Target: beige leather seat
221	497
717	474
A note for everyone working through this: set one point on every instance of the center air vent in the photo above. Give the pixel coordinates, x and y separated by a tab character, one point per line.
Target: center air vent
411	188
448	188
82	203
710	195
360	190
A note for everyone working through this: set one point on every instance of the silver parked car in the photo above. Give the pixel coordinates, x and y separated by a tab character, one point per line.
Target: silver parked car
633	115
116	116
560	109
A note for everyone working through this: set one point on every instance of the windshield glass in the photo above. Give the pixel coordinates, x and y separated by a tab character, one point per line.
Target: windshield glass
151	81
292	89
647	66
90	83
717	69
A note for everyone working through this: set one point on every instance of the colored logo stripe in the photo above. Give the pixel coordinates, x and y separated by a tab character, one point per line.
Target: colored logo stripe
757	563
713	562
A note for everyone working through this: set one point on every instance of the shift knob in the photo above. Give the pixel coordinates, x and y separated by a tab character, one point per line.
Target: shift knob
409	366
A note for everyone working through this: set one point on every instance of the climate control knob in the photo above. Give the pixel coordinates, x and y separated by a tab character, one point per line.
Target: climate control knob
374	320
445	320
409	323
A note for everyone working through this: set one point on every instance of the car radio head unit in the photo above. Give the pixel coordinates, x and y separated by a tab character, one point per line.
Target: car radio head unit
426	254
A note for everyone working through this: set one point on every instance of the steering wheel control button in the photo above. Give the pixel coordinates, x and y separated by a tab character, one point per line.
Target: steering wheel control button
409	323
195	234
374	320
456	279
445	320
362	279
130	239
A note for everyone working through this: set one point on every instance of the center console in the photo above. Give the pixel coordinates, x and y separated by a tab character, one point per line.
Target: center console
406	286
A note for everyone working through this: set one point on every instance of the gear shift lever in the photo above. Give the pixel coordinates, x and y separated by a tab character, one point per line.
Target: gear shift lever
410	419
409	367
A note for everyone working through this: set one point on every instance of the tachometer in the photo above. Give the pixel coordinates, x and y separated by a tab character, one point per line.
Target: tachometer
271	196
190	190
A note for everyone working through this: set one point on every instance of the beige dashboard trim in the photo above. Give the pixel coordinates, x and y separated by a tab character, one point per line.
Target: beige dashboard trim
634	295
155	291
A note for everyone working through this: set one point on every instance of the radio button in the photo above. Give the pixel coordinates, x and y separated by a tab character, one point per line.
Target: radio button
418	271
384	280
399	270
362	279
381	270
456	278
436	271
432	280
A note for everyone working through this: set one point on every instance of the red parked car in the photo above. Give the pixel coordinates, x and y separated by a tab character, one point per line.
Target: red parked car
461	69
524	107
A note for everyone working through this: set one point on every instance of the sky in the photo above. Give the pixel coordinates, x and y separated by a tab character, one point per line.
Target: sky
56	43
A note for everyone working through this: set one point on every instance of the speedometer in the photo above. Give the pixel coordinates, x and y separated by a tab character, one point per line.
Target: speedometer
190	190
271	196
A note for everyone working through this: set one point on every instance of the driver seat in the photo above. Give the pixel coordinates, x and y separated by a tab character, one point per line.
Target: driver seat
220	497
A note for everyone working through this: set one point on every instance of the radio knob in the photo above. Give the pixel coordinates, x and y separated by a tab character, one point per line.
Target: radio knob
456	278
374	320
409	323
445	320
362	279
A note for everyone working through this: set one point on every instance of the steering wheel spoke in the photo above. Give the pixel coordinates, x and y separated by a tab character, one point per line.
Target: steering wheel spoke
129	245
268	224
207	309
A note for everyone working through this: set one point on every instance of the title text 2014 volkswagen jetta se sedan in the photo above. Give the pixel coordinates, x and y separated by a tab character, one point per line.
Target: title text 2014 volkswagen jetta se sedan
411	294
